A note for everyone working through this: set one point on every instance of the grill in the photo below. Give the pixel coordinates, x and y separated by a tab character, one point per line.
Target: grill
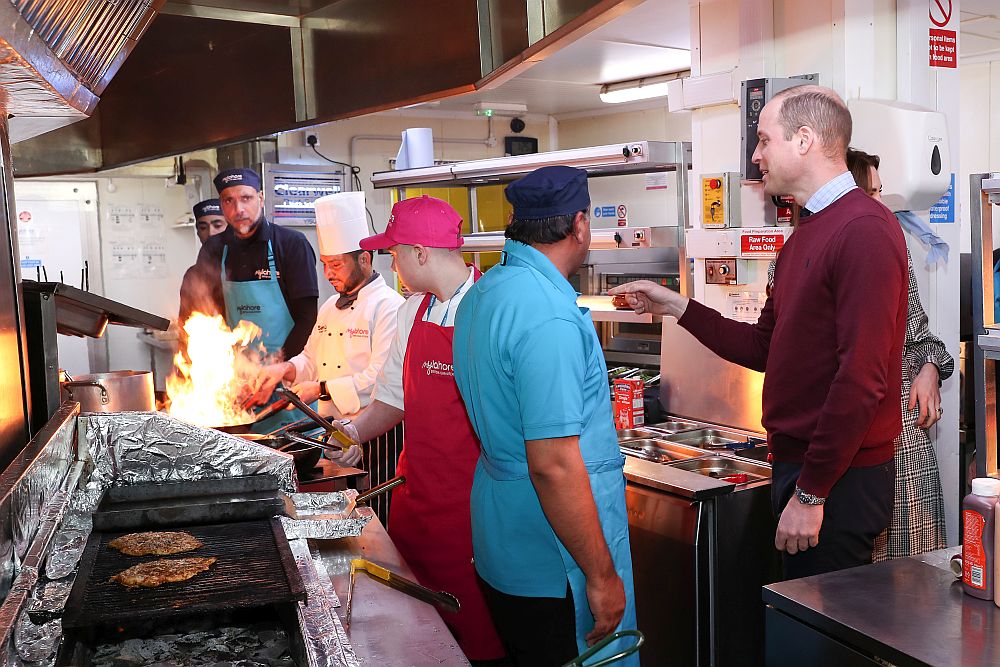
255	568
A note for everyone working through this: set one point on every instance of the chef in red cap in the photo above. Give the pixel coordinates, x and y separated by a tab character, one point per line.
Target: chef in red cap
429	515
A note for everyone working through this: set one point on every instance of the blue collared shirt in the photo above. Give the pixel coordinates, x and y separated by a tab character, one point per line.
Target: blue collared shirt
529	366
831	191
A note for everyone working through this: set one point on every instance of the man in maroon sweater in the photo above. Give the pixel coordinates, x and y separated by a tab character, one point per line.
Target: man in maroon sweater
829	339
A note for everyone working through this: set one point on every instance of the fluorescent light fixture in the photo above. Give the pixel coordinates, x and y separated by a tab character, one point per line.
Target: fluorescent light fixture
636	89
499	109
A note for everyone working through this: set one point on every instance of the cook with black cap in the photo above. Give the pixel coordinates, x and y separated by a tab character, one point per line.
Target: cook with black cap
355	328
549	524
265	273
196	288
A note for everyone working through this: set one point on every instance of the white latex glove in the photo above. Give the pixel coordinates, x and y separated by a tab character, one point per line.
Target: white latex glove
347	429
348	459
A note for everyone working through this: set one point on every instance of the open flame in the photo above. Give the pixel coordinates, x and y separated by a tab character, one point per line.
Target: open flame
206	387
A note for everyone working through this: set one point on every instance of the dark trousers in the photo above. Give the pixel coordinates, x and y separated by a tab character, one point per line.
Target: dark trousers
537	632
858	508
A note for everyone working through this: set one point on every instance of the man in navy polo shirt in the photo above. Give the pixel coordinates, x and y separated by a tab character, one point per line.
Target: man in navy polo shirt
549	525
263	273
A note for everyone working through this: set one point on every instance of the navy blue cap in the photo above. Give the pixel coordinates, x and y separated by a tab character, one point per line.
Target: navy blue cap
207	207
230	177
548	192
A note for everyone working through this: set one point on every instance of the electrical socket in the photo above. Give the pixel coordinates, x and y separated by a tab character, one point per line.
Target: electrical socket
312	139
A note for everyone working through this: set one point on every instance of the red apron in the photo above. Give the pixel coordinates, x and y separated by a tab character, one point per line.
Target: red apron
429	519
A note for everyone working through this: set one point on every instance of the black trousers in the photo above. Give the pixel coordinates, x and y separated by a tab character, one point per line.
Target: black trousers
858	508
537	632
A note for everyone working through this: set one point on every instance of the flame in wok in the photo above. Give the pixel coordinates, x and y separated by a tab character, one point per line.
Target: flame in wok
206	387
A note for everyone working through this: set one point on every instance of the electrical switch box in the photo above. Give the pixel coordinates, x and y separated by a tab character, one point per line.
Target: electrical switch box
754	94
720	200
723	271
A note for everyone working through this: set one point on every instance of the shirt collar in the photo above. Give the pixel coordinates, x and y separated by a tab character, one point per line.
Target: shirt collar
831	191
518	253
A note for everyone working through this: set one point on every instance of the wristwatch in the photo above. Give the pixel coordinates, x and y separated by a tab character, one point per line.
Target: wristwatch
808	498
324	395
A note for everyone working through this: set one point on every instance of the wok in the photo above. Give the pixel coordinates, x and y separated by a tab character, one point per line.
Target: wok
306	456
245	427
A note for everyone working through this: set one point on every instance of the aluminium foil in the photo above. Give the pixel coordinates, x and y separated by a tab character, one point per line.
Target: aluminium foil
135	447
326	641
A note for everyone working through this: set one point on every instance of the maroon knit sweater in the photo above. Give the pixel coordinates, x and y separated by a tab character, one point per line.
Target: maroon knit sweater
830	340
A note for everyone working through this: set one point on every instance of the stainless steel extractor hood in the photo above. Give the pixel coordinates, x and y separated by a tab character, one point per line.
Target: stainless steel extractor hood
58	56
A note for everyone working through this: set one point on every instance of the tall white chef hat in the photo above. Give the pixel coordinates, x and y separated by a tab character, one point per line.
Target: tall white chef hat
341	222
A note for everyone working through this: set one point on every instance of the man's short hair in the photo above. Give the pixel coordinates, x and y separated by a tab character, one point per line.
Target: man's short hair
540	230
822	110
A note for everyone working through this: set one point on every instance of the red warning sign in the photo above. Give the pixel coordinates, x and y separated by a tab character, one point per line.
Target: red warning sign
761	244
943	48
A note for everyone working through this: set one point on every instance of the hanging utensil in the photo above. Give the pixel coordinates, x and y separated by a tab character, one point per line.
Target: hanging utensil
578	661
440	599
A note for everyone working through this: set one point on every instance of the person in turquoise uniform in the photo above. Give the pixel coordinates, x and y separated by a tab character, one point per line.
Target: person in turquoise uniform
264	273
549	525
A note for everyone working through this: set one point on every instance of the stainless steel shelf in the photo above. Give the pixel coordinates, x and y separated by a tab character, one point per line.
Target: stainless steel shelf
632	157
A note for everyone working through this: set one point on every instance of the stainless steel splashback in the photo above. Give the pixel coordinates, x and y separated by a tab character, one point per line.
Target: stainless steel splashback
697	384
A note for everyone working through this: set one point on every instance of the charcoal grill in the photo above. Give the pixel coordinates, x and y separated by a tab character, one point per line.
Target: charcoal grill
255	568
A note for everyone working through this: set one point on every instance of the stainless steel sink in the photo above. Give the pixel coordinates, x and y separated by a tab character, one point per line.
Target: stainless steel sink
659	451
634	433
673	426
708	438
720	467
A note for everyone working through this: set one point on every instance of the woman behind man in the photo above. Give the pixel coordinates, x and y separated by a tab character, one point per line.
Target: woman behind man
918	523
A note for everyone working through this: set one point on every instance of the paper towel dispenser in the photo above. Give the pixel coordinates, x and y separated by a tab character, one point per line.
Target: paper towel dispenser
912	142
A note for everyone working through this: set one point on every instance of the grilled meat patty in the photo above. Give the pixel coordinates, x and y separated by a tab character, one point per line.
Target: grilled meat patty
155	543
162	571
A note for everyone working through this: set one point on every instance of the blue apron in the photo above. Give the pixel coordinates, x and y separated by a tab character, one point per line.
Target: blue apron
261	302
607	483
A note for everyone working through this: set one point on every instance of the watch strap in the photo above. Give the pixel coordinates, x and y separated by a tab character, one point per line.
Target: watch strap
808	498
324	395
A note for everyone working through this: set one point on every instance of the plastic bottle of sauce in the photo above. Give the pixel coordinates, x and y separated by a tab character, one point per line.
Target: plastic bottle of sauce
978	537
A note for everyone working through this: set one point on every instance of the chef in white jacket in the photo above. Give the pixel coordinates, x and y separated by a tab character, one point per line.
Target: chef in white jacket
354	329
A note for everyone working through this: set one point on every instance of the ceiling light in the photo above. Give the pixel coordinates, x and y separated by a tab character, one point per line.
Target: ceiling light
636	89
499	109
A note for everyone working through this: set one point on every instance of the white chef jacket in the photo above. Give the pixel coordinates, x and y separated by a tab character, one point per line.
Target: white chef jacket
348	347
389	384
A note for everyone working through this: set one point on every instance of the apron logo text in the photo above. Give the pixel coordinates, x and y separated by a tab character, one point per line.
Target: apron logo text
265	274
245	308
358	333
438	368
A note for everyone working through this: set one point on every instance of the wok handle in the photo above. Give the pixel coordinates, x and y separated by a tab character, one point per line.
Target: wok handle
304	407
381	488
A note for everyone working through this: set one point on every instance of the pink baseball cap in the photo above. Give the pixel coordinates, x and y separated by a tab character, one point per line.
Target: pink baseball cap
420	220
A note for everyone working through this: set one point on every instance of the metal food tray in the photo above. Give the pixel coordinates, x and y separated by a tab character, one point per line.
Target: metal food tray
255	568
658	450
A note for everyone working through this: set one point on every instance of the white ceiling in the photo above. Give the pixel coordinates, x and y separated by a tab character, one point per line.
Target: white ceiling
980	38
654	38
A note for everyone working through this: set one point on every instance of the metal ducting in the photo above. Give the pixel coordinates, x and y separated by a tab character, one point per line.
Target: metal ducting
57	57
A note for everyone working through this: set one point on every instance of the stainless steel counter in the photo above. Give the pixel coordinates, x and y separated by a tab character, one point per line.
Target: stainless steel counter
387	626
905	611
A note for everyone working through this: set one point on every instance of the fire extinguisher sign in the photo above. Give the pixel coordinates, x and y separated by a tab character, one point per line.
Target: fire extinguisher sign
942	43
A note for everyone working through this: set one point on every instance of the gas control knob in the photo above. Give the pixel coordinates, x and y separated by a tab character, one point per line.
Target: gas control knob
723	270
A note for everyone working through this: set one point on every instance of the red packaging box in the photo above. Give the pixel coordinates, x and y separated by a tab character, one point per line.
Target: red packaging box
628	403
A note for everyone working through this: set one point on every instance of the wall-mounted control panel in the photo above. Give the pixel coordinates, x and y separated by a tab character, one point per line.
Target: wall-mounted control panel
720	200
754	94
725	271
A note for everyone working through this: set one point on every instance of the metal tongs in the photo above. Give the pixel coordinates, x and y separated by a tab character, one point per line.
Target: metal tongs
320	420
441	600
